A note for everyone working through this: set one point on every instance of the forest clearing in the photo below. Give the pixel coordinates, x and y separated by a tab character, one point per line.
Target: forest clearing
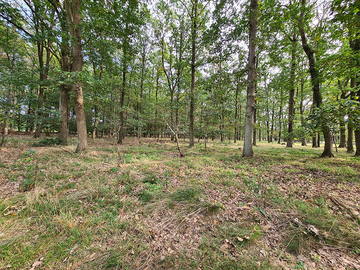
142	206
190	134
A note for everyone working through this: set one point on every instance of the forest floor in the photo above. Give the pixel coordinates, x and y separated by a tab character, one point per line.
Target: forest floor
141	206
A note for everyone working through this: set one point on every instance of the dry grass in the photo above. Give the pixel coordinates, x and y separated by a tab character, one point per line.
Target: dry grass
209	210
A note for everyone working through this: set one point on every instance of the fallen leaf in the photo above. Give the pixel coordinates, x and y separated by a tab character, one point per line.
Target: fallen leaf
36	264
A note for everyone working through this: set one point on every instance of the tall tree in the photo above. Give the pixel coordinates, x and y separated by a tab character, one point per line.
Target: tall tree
73	17
315	80
249	117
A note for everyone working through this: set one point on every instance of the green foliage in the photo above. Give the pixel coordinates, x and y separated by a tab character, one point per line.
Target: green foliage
48	142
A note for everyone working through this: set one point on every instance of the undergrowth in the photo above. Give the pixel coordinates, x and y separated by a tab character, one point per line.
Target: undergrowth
212	209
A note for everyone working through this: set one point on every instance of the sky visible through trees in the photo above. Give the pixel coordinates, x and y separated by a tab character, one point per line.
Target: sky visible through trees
183	69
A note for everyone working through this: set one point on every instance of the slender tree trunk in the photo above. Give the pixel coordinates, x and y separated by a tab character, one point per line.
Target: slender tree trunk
236	112
317	98
342	127
350	140
64	112
240	122
8	113
314	144
143	58
194	18
280	115
272	121
268	120
122	100
157	127
303	140
249	117
290	140
74	20
254	129
357	127
259	134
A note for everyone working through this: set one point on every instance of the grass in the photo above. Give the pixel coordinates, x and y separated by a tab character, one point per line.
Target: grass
212	209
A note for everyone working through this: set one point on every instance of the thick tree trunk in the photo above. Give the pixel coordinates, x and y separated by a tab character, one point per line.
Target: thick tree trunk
328	148
74	20
249	117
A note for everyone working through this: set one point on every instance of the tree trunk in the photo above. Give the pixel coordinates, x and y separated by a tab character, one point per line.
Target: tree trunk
254	129
280	116
74	20
65	67
249	117
303	140
357	127
317	98
290	140
122	100
236	112
194	17
64	112
272	121
314	145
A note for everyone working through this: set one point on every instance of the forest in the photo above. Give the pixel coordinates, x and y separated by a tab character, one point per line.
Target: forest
190	134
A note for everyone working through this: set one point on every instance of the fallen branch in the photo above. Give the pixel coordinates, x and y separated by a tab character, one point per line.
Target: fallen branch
65	150
176	138
352	212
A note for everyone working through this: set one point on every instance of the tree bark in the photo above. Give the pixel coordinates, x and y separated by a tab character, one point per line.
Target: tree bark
236	112
194	17
122	99
280	115
357	83
249	117
350	140
303	140
317	98
342	124
290	140
65	67
74	20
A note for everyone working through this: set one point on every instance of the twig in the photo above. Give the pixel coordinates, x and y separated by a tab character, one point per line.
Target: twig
65	150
